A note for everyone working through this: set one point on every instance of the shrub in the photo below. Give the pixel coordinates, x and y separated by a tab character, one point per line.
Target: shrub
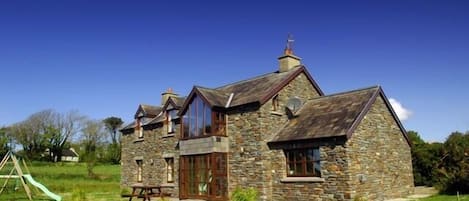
249	194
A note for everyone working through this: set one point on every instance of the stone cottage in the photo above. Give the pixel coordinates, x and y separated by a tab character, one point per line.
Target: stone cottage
278	133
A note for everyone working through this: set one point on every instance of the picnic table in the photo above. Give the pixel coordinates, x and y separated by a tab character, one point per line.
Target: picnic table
145	191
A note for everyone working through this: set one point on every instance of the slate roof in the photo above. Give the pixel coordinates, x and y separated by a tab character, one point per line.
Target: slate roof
328	116
258	89
179	101
157	119
150	110
128	126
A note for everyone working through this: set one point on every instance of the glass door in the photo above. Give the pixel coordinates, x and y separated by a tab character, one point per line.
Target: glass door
204	176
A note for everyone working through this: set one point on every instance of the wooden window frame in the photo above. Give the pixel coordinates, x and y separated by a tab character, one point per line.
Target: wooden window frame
139	127
212	172
170	122
139	170
303	162
169	170
217	121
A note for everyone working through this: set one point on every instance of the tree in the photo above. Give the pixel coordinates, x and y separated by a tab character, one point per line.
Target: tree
47	129
4	141
31	133
453	174
62	130
425	158
114	149
92	136
112	124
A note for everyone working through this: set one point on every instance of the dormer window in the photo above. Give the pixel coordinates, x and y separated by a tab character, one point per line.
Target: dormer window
139	127
199	120
171	115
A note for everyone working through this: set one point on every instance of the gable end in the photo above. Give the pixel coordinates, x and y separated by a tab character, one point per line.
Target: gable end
366	109
277	88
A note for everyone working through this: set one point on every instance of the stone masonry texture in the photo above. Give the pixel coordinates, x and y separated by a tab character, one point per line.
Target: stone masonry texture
375	163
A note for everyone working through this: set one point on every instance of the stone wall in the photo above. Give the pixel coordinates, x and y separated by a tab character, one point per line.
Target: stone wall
204	145
152	149
380	159
132	149
375	163
332	185
251	163
159	146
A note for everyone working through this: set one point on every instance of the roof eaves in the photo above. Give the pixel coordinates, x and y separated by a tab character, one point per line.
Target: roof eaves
315	84
195	91
362	114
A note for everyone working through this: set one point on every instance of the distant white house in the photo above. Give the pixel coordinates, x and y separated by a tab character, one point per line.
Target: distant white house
70	155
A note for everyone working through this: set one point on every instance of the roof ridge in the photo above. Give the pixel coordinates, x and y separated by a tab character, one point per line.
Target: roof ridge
202	87
223	93
351	91
143	104
248	79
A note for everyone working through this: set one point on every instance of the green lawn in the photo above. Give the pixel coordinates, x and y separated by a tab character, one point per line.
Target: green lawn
68	180
446	198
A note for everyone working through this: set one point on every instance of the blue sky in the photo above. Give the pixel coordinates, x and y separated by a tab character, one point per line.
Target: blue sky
103	58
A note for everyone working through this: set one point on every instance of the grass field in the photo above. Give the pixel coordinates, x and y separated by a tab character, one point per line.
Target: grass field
446	198
70	181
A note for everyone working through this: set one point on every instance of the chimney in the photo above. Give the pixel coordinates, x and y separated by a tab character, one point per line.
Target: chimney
165	95
288	60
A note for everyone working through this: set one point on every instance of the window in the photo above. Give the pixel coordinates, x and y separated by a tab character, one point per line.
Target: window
139	170
199	120
170	170
138	127
204	176
171	115
303	162
275	104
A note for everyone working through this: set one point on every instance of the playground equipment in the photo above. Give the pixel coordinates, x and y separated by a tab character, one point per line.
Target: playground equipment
23	178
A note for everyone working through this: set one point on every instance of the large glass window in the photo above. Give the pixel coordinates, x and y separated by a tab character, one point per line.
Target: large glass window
303	162
199	120
204	176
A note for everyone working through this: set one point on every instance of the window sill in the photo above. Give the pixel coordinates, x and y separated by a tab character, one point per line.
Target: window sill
138	140
204	136
276	113
168	135
167	185
302	180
